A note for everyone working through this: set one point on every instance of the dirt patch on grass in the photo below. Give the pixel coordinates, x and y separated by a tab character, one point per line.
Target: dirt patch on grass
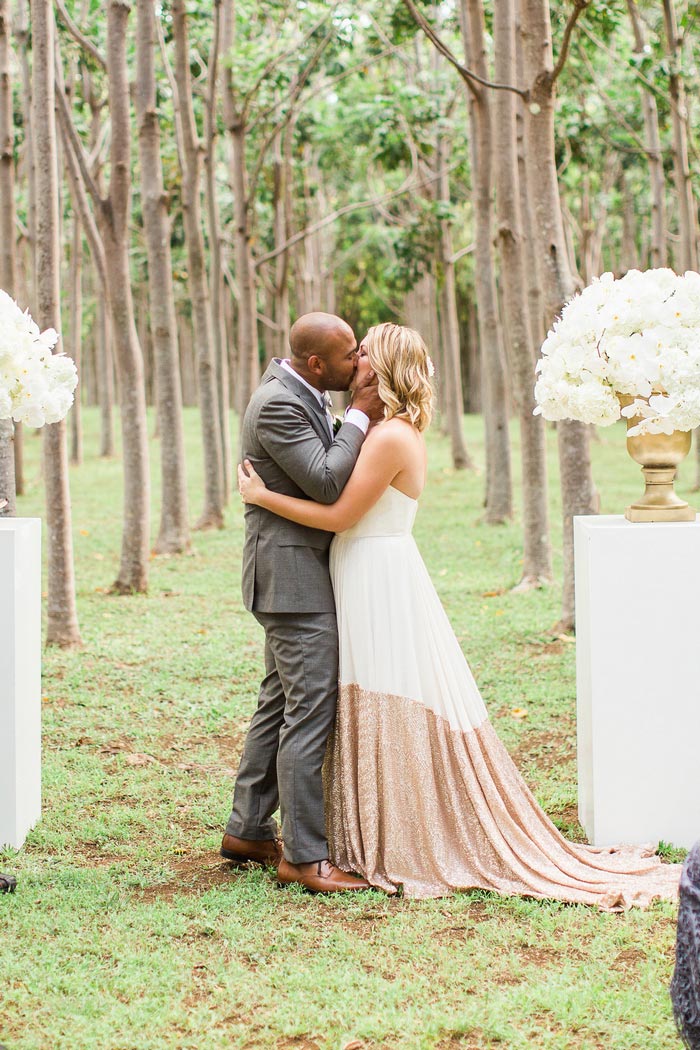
474	1040
297	1042
539	956
93	853
191	876
628	959
230	745
548	749
553	647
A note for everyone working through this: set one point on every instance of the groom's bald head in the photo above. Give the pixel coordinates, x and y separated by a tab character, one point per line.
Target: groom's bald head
318	333
323	350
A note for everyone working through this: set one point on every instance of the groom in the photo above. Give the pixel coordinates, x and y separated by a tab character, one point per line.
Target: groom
288	437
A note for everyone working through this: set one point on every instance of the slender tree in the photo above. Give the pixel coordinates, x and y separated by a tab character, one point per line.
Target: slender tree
216	268
687	208
537	562
109	240
8	278
76	338
452	378
191	160
62	616
655	160
541	74
236	119
173	534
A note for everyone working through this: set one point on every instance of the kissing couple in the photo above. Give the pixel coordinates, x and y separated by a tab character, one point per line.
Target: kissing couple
370	733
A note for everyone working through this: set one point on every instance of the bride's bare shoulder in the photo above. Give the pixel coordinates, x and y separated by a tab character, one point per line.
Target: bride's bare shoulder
394	431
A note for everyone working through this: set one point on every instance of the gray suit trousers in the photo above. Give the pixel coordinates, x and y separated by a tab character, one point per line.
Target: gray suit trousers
286	743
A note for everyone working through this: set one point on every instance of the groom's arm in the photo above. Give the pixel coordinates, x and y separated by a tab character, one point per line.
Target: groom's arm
284	431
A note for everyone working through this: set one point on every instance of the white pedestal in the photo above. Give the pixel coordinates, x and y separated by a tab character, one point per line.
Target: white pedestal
638	680
20	678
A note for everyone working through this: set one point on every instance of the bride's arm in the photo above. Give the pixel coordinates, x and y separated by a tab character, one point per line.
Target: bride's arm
383	456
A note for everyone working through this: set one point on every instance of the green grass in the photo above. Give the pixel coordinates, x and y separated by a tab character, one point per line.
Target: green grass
128	933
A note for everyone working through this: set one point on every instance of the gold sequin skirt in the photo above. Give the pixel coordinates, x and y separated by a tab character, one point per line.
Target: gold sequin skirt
421	793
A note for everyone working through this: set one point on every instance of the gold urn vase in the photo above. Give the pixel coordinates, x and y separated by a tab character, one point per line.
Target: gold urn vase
659	456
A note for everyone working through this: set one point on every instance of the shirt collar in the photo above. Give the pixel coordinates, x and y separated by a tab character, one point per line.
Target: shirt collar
286	363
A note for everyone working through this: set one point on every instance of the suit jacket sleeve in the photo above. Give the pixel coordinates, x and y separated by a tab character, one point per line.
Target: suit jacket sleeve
290	440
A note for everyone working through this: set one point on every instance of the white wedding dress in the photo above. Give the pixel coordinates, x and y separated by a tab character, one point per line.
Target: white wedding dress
421	793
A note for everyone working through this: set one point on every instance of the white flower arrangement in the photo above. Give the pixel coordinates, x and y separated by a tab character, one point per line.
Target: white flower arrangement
36	385
639	336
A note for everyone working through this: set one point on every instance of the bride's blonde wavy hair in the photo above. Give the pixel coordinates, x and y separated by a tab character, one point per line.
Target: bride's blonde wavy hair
400	359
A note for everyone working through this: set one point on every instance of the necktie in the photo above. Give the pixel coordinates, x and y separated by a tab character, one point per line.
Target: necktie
328	408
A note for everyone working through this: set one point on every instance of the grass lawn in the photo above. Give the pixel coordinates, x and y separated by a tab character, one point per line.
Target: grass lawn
127	932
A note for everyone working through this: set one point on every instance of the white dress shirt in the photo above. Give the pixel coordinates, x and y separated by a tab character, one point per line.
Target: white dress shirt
352	415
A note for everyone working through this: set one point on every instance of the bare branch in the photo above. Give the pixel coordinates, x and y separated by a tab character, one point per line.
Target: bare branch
297	88
461	253
79	196
470	78
578	8
86	44
408	187
73	143
277	59
172	83
610	105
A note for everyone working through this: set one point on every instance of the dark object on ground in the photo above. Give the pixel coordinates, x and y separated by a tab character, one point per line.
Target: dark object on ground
685	985
8	884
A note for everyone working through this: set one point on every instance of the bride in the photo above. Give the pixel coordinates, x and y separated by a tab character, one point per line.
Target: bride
421	793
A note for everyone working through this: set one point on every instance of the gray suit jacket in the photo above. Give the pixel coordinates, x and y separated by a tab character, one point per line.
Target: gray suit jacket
286	438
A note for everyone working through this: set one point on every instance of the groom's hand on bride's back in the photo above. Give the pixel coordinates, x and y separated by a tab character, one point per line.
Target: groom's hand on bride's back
366	398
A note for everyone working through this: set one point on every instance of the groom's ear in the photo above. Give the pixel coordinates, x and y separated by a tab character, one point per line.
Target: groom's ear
315	364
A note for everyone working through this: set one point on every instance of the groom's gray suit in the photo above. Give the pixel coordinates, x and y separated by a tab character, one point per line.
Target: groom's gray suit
286	584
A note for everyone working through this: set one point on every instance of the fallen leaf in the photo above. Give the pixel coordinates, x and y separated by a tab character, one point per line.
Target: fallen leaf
84	532
354	1044
519	712
493	594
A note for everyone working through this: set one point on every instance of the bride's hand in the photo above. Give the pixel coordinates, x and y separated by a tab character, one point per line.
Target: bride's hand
250	485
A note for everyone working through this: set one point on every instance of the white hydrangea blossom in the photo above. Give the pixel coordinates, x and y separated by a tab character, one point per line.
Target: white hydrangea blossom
36	385
640	336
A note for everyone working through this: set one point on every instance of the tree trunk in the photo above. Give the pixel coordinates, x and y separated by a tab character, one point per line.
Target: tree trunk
113	219
104	368
629	256
173	534
247	344
8	278
213	512
499	486
216	274
655	160
62	616
249	375
687	211
452	372
578	493
537	559
76	336
281	225
21	34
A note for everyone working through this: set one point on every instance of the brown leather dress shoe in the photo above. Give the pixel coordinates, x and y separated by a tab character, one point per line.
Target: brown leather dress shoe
320	877
243	851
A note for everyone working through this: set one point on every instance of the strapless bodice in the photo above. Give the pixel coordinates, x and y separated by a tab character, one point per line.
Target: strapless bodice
392	515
